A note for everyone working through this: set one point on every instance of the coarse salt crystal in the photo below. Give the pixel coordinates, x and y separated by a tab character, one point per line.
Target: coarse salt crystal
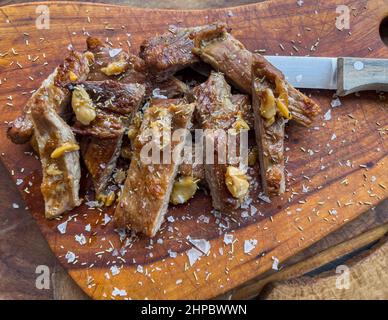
327	115
62	227
249	245
275	263
70	256
228	238
335	103
114	270
118	292
201	244
80	238
193	254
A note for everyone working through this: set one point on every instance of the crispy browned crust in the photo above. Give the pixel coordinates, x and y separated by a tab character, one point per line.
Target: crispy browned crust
167	53
215	110
105	54
61	176
214	45
195	170
100	147
52	93
243	104
101	140
270	139
302	108
114	97
147	189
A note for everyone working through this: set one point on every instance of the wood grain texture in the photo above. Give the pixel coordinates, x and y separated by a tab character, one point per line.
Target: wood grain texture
165	4
359	141
366	281
366	228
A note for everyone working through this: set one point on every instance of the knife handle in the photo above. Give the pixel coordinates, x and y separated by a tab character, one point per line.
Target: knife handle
359	74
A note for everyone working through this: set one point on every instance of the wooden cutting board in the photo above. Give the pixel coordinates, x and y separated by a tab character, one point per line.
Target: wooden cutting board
338	168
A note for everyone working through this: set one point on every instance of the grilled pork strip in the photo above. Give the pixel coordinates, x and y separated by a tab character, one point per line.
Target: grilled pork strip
147	188
101	140
53	93
60	160
214	45
114	63
215	110
269	129
170	52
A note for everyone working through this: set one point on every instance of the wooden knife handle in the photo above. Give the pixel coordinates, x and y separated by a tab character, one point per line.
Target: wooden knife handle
359	74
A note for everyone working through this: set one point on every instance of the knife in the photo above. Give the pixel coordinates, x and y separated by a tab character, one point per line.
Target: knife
346	75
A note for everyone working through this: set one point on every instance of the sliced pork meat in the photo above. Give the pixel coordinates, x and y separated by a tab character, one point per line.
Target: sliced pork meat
114	63
59	156
53	93
217	47
170	52
217	114
115	105
271	113
148	186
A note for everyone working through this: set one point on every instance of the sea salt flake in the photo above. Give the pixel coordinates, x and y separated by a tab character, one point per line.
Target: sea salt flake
114	52
139	269
170	219
118	292
335	103
70	256
305	189
201	244
334	136
88	227
249	245
19	182
327	115
228	238
92	204
275	263
15	206
193	254
114	270
107	219
264	198
253	210
244	214
172	254
156	94
62	227
80	238
204	218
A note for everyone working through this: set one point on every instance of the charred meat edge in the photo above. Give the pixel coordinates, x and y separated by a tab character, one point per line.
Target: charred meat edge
215	110
53	93
214	45
269	138
146	194
61	175
101	140
170	52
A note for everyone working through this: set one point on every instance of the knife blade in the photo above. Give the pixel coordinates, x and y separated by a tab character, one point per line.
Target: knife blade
346	75
307	72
